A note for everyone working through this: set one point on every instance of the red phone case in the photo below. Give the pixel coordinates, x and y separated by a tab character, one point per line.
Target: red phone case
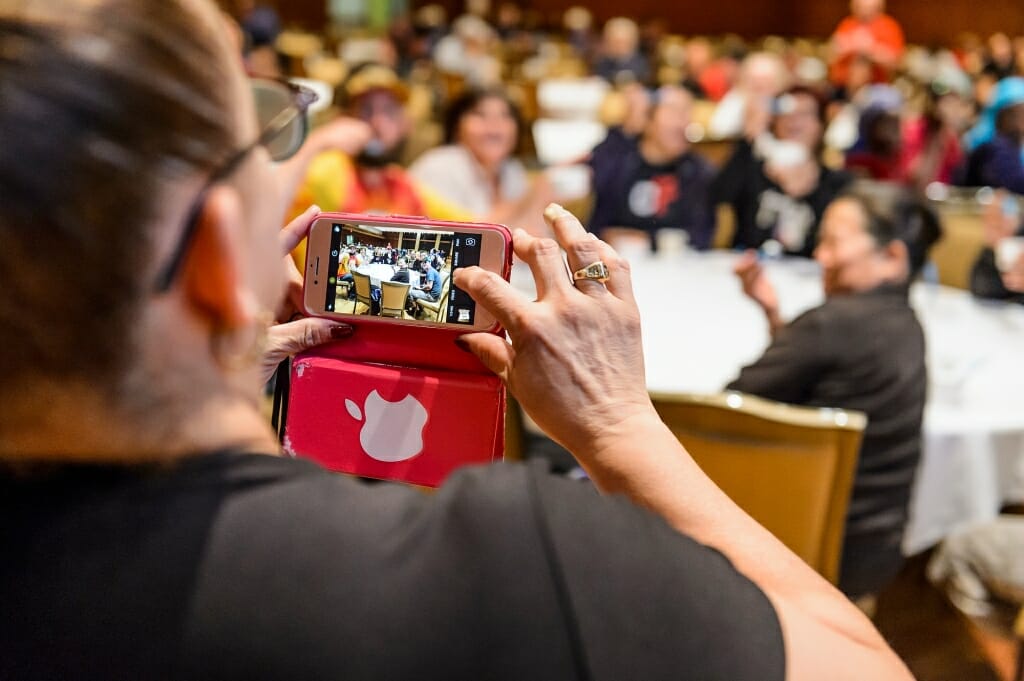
396	402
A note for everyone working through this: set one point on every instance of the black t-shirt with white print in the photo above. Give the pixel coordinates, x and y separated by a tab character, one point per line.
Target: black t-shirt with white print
764	211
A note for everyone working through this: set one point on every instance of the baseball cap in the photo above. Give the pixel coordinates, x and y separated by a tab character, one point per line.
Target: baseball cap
372	77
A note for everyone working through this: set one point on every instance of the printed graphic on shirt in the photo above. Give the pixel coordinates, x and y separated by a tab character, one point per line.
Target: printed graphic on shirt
787	218
652	198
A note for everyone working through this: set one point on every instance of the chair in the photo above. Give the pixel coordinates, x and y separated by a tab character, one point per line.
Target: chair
362	284
393	297
439	308
725	226
791	468
963	239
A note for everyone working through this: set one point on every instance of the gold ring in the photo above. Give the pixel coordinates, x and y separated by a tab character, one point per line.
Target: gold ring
596	271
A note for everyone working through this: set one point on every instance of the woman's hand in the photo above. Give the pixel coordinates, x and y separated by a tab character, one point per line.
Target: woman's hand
575	363
287	336
755	282
345	134
758	288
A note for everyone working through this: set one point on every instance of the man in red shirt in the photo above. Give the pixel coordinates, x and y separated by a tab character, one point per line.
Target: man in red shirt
867	34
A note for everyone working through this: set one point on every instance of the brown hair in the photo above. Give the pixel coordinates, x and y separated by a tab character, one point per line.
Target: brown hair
103	105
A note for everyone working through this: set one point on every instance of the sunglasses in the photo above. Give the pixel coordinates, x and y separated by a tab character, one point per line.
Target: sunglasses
281	112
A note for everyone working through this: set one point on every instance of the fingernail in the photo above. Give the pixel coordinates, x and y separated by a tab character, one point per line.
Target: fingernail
461	344
313	209
341	331
554	211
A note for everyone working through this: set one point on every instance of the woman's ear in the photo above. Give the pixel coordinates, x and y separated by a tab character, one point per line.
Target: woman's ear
212	273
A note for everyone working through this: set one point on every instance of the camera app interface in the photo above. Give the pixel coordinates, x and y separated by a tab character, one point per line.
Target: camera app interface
400	272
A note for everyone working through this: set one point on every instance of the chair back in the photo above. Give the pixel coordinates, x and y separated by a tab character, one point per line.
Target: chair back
790	468
362	282
963	239
393	297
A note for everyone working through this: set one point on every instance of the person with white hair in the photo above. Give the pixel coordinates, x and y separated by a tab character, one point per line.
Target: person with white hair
746	109
620	60
466	52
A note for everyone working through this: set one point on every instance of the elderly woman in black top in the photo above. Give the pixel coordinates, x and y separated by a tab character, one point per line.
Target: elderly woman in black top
862	349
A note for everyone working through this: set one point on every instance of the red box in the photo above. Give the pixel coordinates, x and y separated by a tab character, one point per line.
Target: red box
395	402
393	422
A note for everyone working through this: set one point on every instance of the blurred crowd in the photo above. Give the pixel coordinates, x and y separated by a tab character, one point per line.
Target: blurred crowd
495	113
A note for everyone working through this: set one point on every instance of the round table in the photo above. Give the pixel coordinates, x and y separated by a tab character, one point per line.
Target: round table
699	330
379	272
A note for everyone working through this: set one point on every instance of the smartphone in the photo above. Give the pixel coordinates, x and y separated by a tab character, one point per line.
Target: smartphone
398	269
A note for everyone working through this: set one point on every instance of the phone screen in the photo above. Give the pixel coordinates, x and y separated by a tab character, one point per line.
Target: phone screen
400	272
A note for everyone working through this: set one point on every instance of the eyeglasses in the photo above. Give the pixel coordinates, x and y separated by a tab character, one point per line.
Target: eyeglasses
281	111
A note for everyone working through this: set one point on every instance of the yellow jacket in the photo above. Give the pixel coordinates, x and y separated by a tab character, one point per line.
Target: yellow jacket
332	183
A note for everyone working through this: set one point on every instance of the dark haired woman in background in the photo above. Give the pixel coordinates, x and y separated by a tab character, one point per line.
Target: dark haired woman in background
476	168
862	349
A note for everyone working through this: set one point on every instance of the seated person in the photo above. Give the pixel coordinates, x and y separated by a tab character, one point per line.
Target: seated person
159	533
996	141
620	60
780	191
745	109
419	264
659	181
430	289
877	153
371	181
476	169
1002	220
932	151
349	261
401	274
868	34
862	349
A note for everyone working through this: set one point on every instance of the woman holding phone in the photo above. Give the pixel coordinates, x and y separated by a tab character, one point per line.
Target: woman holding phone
148	529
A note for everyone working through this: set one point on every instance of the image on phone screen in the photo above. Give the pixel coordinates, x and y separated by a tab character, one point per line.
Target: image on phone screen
400	272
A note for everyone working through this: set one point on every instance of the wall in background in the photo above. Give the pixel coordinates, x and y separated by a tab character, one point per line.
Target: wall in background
925	21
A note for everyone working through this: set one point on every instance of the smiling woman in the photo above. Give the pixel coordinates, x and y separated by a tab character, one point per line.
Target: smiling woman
477	169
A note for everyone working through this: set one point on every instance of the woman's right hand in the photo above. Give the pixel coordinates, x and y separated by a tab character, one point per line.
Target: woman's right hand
575	363
755	282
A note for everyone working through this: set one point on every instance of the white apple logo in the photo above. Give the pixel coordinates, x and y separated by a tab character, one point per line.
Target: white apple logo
393	431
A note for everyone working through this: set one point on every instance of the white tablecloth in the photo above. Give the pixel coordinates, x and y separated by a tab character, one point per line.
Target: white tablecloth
381	272
699	330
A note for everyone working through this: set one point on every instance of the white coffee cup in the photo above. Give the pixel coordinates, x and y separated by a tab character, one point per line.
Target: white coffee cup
1008	251
672	241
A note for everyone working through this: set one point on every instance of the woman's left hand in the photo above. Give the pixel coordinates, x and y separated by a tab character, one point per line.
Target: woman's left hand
288	336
